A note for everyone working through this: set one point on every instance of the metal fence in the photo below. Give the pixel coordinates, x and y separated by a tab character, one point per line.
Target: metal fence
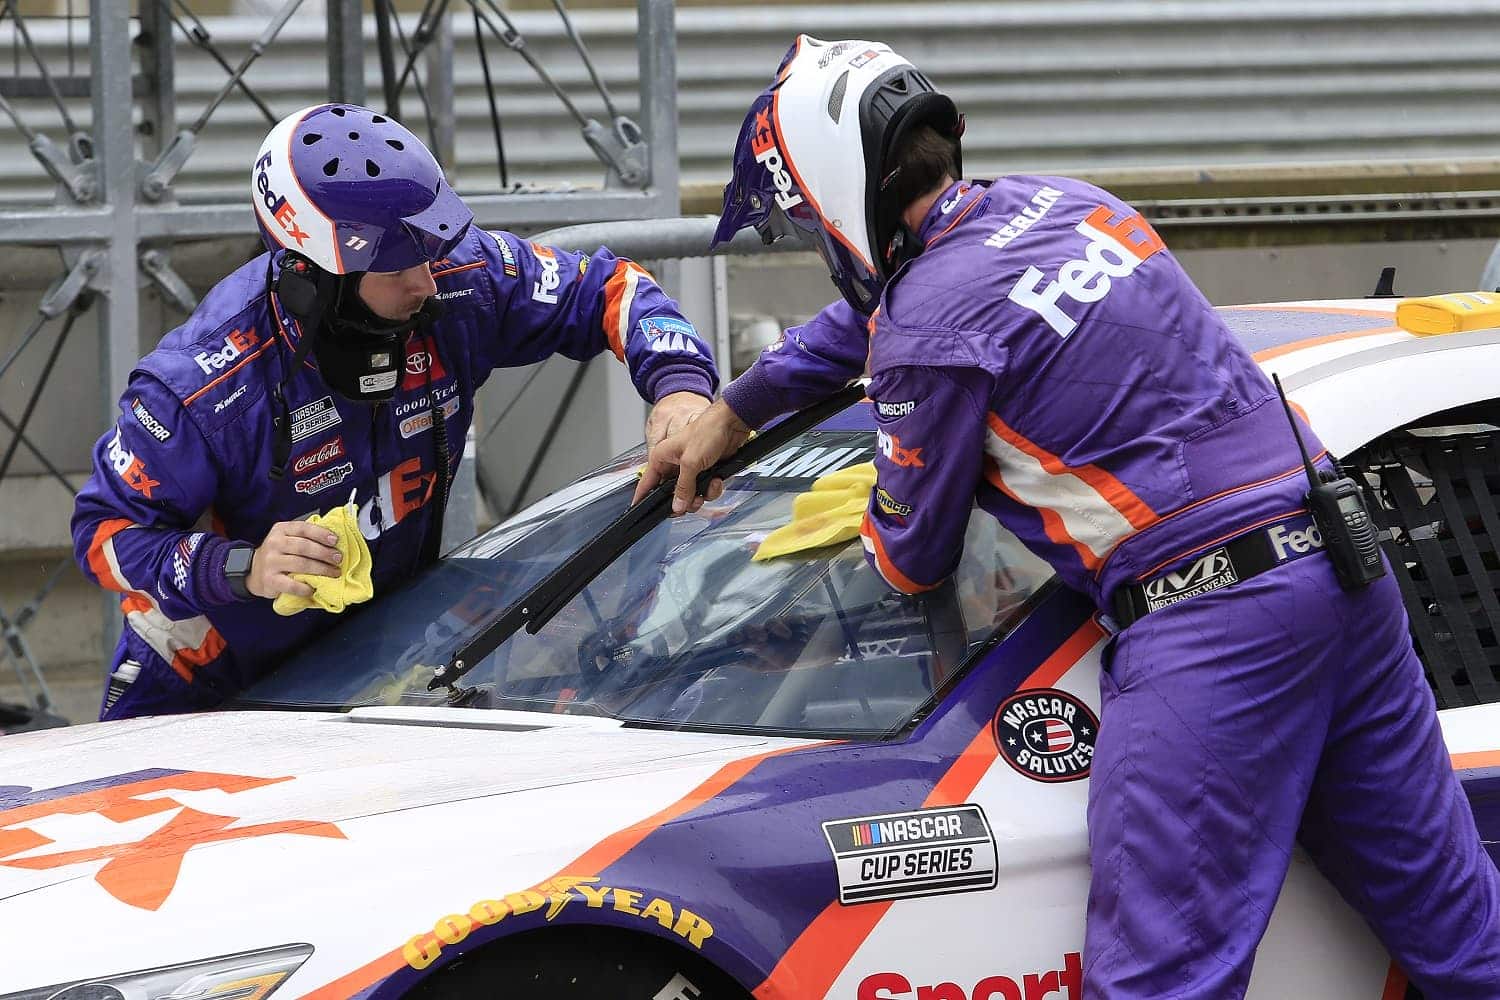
1067	85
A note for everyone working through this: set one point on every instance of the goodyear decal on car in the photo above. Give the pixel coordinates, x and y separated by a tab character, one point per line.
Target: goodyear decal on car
553	896
919	853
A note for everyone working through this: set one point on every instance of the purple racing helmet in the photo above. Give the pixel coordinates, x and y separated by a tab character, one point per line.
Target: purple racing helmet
813	156
351	190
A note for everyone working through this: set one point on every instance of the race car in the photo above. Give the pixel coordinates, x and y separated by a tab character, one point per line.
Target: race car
597	753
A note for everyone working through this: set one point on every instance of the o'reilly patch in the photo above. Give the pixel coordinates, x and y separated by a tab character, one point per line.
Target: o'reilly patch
922	853
1047	735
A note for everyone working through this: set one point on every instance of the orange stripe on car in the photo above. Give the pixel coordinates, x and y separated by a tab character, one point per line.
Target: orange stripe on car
603	854
821	952
1298	345
1476	759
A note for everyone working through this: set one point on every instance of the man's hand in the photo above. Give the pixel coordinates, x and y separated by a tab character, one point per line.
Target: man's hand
292	547
672	413
709	436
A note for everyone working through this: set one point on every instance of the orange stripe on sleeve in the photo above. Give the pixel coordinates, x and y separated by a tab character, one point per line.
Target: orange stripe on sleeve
245	361
888	569
98	561
821	952
614	297
1052	522
1117	494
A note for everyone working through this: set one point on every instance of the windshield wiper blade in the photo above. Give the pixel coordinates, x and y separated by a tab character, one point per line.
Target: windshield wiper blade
538	605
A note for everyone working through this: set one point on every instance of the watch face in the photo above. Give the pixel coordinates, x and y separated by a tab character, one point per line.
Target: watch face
238	562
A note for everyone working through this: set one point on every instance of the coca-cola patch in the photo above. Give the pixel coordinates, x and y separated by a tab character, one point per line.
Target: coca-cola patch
321	455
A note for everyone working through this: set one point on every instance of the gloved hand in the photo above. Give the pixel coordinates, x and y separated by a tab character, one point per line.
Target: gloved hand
353	583
829	513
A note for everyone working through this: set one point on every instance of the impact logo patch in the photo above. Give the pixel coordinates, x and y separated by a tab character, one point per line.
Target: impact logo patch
1047	735
921	853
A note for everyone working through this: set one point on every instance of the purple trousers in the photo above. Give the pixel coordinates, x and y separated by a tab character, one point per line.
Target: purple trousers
1235	723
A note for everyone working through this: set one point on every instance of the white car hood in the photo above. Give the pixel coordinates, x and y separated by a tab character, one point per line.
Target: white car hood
80	789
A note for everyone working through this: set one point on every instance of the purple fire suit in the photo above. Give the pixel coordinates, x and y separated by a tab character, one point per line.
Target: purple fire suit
1047	356
182	476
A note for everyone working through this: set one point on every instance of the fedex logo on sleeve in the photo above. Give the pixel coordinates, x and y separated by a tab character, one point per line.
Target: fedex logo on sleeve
1114	249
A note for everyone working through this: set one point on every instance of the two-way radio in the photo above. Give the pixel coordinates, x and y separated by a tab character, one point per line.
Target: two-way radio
1338	510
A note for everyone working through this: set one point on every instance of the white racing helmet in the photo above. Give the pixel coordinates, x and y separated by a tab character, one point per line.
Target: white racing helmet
814	159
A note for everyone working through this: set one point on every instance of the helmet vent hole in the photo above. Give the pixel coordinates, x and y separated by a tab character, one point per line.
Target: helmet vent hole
396	144
331	167
338	111
442	227
836	99
372	168
354	136
378	119
310	138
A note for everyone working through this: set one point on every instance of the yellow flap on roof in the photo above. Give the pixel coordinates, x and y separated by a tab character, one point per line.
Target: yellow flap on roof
1451	313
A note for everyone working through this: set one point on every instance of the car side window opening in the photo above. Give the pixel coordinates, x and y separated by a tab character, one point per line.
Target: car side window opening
684	628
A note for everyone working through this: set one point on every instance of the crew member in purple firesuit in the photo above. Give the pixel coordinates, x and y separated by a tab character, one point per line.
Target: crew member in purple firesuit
1033	344
317	372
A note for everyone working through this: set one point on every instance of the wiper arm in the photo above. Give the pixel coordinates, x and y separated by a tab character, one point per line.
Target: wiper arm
538	605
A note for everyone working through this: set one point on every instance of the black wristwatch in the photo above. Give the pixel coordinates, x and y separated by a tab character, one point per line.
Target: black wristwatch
237	570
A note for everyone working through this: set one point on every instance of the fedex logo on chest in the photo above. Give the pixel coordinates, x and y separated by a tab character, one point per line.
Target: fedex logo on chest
1113	249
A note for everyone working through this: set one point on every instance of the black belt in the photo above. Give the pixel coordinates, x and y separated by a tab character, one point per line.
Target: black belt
1242	557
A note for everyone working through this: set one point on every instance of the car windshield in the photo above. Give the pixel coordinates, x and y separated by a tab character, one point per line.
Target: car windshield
684	629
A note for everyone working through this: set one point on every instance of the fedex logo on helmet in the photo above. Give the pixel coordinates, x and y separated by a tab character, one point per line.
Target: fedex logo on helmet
1114	250
280	209
235	344
763	146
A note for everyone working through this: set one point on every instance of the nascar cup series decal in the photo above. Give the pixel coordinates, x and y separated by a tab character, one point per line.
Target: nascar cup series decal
1047	735
921	853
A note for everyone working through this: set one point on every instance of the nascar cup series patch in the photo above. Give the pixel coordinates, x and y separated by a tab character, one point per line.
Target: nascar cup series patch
921	853
1047	735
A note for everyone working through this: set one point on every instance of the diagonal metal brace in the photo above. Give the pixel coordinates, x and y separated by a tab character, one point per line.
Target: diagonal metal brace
158	268
158	179
622	149
66	290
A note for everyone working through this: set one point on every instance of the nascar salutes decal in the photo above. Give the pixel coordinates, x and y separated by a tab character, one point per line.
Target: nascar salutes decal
1047	735
921	853
319	415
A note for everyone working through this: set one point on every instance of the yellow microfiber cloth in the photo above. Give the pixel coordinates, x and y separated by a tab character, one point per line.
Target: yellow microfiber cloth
352	585
829	513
